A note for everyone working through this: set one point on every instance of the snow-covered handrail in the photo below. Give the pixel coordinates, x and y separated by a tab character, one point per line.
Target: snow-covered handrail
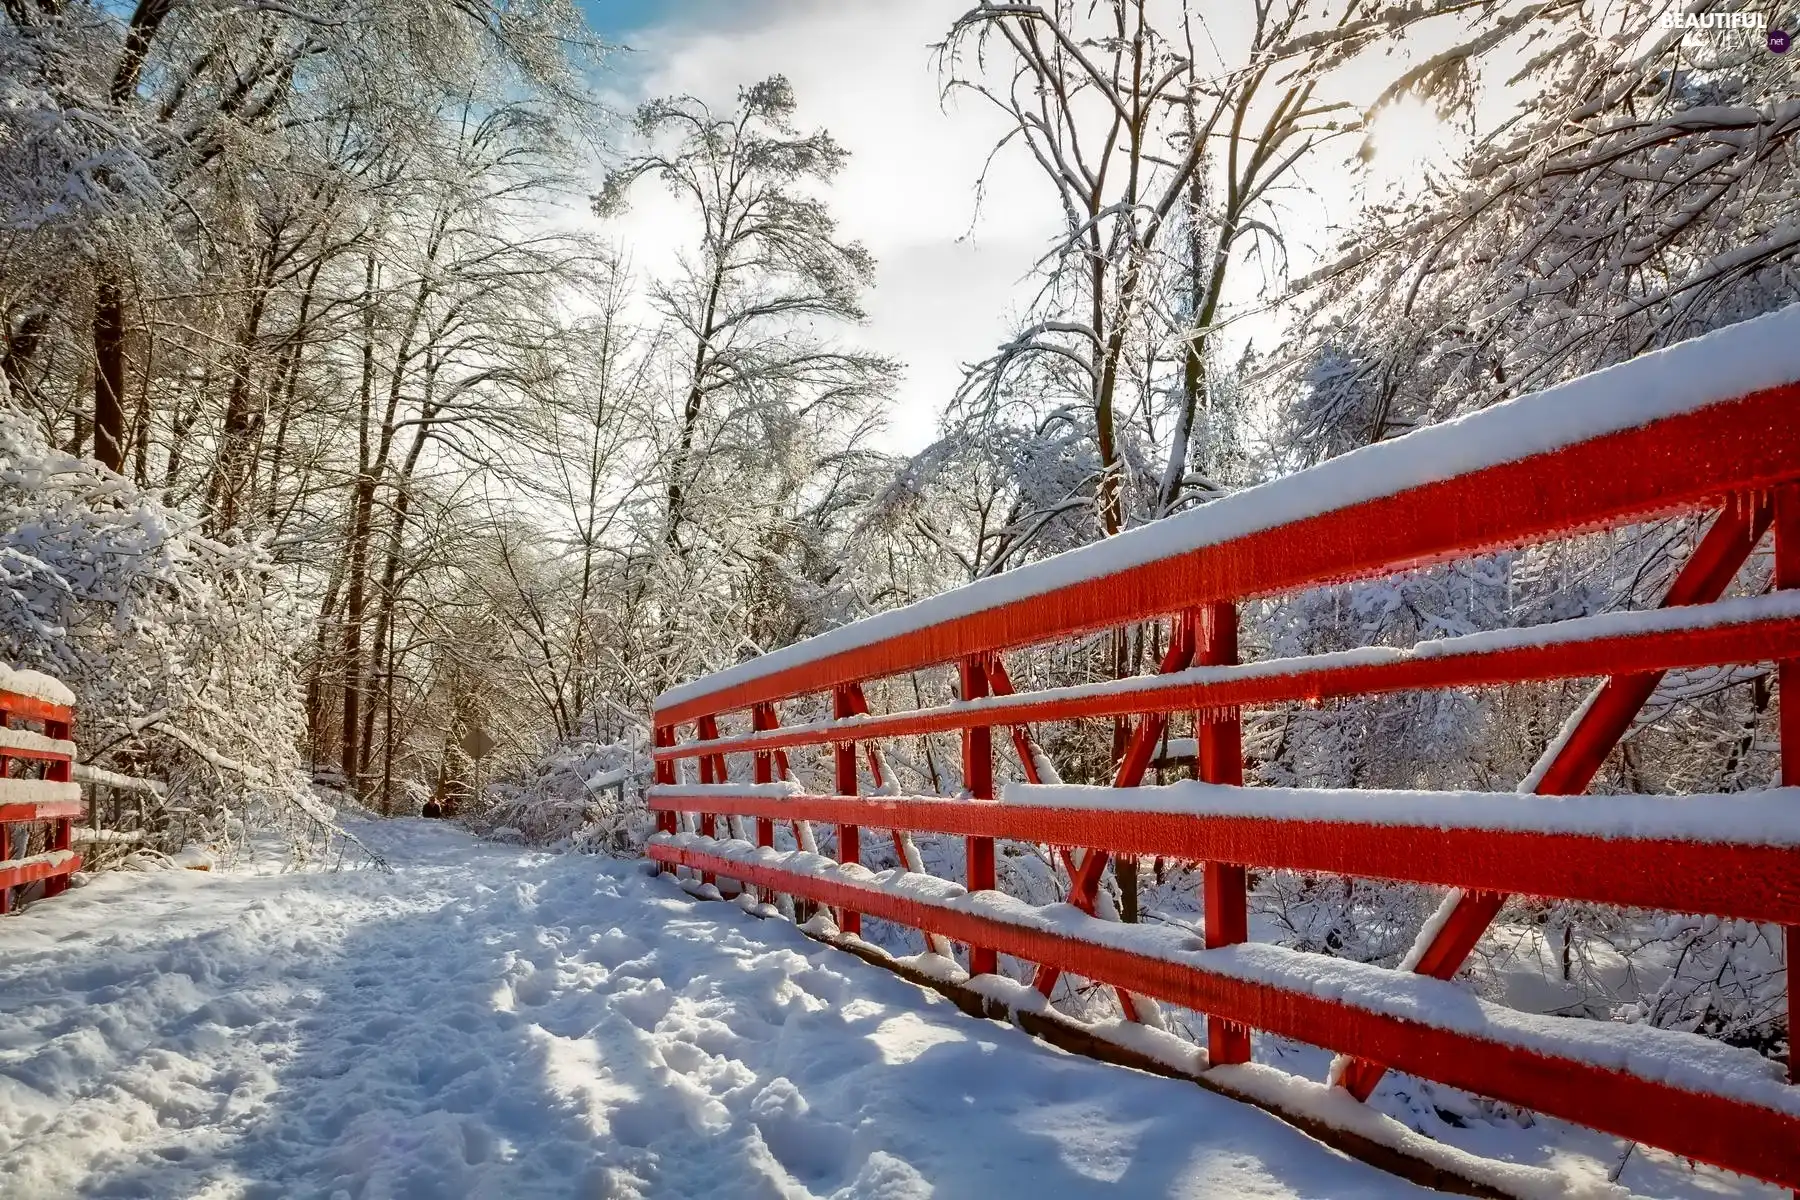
1726	855
109	837
1747	629
1666	431
35	685
1769	819
1711	426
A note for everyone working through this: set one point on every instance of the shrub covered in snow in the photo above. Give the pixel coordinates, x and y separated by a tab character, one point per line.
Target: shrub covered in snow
580	795
179	648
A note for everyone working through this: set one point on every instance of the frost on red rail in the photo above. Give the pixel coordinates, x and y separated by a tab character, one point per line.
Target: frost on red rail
26	743
18	872
35	685
1729	855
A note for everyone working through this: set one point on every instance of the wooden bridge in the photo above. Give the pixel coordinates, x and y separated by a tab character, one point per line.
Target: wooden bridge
1711	426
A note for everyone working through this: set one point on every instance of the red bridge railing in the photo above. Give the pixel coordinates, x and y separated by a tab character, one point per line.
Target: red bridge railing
1711	426
37	788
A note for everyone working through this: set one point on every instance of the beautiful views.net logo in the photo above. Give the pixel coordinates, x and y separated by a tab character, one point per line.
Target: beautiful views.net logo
1714	20
1779	40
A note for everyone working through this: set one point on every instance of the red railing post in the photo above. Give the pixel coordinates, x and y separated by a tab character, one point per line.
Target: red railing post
859	706
905	851
978	778
1787	682
664	735
707	729
762	718
849	837
1221	760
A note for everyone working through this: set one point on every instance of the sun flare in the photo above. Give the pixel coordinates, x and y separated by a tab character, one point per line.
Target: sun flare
1406	139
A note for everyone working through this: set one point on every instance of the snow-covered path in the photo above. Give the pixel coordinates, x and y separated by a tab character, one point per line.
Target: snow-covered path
489	1022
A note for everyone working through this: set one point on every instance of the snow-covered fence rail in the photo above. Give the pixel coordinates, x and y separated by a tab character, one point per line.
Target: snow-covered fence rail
36	783
101	777
1711	426
126	806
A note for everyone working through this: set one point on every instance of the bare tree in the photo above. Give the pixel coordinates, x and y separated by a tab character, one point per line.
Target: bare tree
768	256
1162	170
766	266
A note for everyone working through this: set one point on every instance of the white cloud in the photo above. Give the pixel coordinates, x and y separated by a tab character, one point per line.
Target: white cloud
864	70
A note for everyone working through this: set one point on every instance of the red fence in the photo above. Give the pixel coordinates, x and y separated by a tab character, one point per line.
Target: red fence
1711	426
36	788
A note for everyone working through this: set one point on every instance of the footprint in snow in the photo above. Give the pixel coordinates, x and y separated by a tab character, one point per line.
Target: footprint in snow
809	1149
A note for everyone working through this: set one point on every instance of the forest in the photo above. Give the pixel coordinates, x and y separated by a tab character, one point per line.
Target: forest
343	436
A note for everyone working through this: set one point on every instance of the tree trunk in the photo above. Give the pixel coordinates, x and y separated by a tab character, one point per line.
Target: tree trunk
690	416
1201	288
355	606
362	507
289	373
140	434
381	652
315	682
373	465
185	416
387	734
226	487
109	299
109	372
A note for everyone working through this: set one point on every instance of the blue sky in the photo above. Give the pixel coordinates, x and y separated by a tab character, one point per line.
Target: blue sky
614	19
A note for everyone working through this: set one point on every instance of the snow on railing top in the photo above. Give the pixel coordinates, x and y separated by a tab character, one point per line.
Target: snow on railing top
1765	818
766	791
35	743
37	791
1725	365
36	685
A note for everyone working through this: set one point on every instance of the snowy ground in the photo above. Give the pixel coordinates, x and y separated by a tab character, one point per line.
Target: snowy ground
489	1022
